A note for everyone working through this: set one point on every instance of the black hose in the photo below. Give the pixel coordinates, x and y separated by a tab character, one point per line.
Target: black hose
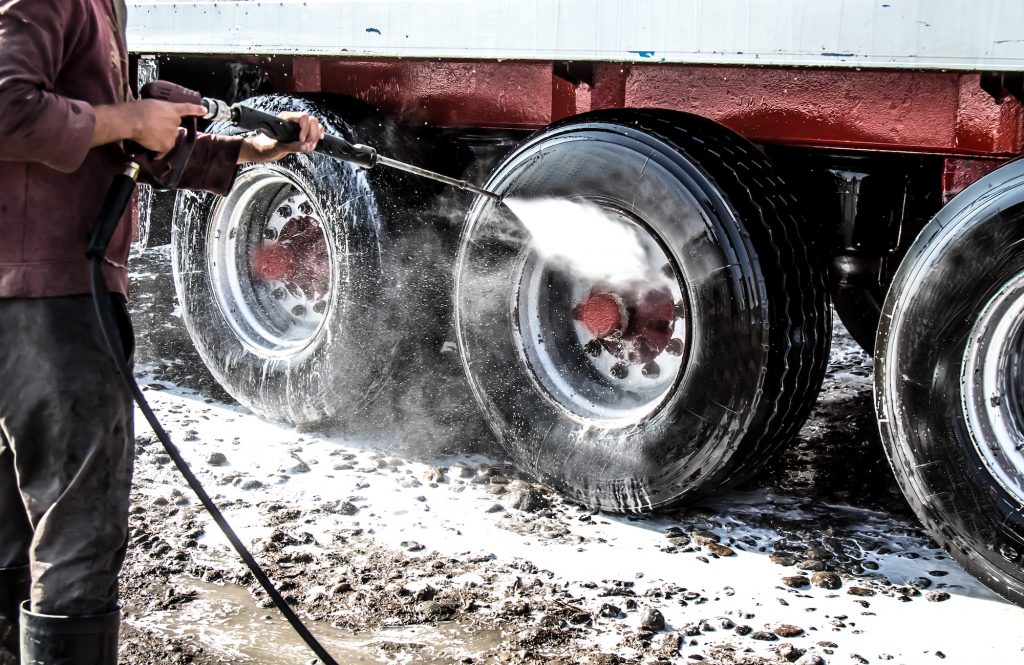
111	335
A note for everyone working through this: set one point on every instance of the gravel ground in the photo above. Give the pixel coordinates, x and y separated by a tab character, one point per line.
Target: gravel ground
399	557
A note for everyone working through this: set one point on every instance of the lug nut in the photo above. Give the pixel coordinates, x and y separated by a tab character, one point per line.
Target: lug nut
278	293
285	211
650	370
306	208
674	347
320	306
298	310
269	234
593	348
620	370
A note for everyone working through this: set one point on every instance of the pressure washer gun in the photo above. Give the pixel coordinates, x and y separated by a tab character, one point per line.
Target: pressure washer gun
250	119
282	130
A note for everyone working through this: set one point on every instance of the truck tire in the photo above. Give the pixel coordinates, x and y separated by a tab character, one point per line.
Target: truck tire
726	275
949	381
281	283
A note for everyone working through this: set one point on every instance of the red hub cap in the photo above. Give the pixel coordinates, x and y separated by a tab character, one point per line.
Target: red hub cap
633	325
299	258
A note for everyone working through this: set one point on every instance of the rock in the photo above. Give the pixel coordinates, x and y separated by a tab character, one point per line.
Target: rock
796	581
860	591
435	475
811	565
869	565
788	630
936	596
920	582
726	623
720	550
525	497
340	588
463	471
301	467
424	594
763	635
653	620
412	546
609	611
811	659
704	537
790	653
826	580
818	553
496	508
217	459
251	484
782	559
744	630
347	508
484	473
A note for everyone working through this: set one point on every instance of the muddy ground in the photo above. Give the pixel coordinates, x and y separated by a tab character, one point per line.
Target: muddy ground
397	557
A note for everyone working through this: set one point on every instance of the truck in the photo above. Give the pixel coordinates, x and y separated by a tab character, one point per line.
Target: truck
689	191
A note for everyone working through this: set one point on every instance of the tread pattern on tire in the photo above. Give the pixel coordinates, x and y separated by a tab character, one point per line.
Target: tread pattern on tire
794	273
794	276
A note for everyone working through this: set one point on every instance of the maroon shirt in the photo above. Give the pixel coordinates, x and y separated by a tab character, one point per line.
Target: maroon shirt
58	58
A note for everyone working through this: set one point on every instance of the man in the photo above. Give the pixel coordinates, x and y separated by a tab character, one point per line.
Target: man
66	437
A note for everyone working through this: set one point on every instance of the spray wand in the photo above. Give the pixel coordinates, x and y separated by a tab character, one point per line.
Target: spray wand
288	132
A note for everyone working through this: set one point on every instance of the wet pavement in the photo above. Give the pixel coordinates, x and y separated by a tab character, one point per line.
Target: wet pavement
398	557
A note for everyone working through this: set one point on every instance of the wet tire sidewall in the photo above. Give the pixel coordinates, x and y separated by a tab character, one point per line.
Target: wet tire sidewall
649	463
339	368
955	268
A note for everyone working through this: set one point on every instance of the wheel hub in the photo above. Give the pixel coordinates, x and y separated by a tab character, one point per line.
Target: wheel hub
601	348
635	326
270	263
297	257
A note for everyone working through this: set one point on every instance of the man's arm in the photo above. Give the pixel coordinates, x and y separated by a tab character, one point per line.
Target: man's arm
36	124
39	125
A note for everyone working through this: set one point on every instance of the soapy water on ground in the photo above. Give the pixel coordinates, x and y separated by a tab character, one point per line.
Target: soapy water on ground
459	559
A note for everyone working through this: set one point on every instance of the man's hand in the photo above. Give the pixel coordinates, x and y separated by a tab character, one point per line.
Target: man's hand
151	123
262	149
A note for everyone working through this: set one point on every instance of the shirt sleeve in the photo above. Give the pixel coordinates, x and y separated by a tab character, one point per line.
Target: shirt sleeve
211	167
36	124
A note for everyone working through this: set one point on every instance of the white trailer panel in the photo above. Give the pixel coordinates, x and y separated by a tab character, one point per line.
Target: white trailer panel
982	35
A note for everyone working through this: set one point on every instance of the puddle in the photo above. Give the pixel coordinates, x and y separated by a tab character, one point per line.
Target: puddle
225	621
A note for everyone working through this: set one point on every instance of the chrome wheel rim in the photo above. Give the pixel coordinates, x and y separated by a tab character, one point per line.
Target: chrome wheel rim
571	366
993	380
268	219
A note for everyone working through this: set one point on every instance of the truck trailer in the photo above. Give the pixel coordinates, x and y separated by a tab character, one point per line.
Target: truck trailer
732	172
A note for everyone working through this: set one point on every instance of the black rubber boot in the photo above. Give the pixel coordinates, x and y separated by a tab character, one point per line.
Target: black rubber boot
57	640
14	588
